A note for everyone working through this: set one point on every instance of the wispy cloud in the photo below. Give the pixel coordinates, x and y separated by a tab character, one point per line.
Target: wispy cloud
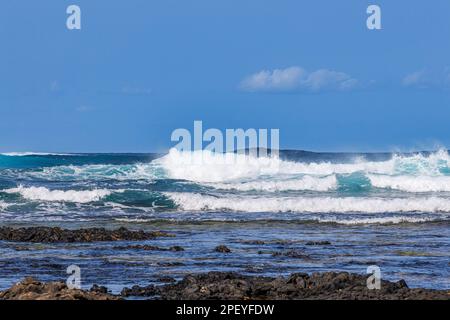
426	79
297	79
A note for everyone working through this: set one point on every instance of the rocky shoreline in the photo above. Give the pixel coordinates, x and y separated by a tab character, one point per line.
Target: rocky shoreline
234	286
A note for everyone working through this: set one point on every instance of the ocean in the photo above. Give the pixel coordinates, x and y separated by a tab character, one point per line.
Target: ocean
386	209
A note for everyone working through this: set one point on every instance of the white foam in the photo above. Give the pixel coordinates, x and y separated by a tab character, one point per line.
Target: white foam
133	220
353	221
411	183
198	202
420	164
304	183
3	205
44	194
384	220
204	166
140	171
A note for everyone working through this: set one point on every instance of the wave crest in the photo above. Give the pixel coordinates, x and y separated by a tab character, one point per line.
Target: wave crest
205	166
199	202
44	194
411	183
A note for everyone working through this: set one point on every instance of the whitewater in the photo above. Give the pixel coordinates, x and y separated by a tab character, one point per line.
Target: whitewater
323	187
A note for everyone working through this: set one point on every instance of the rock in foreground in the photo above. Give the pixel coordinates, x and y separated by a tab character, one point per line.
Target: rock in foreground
55	234
233	286
328	285
31	289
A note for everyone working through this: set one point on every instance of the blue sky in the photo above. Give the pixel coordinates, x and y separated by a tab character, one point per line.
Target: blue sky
139	69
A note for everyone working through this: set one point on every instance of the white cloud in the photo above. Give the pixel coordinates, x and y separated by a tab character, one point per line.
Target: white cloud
297	79
419	78
425	78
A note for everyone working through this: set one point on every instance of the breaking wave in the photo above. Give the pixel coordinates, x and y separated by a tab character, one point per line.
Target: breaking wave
199	202
44	194
411	183
414	186
204	166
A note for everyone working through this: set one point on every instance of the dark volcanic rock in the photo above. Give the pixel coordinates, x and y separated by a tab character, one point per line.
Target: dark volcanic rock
329	285
318	243
31	289
137	291
55	234
98	289
222	249
149	248
234	286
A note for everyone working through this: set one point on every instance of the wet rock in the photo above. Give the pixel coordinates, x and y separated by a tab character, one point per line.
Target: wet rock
31	289
149	248
328	285
318	243
137	291
402	284
56	234
98	289
213	285
222	249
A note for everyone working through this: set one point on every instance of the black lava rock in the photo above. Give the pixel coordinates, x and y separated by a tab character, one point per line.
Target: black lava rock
55	234
222	249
